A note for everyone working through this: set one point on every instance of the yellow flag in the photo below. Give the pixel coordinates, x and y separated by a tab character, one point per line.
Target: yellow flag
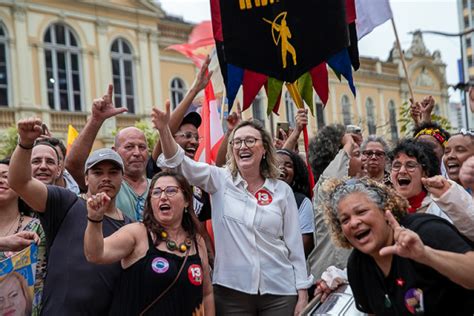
72	134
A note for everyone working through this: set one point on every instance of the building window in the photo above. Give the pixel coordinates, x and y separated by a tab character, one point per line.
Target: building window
370	111
178	90
290	109
466	21
469	60
4	65
122	74
468	42
63	73
319	110
346	110
258	112
392	112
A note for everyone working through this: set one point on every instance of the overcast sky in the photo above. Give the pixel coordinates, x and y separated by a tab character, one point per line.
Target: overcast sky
410	15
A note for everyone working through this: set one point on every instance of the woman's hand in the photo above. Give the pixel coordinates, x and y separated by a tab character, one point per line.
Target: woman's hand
159	118
322	289
407	243
437	185
203	77
18	241
97	205
302	302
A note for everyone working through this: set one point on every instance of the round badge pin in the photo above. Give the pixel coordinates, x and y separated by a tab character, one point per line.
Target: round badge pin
160	265
414	300
195	274
263	197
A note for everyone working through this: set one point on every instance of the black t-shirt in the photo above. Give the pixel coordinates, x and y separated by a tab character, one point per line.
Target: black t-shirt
390	295
202	201
74	286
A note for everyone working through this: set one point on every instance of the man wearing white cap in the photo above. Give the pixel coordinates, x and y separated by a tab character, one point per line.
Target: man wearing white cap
72	286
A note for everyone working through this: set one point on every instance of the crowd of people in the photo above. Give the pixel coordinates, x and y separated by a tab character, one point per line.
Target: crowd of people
132	230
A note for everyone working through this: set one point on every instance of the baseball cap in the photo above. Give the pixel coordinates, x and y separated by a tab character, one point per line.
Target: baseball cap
192	118
103	154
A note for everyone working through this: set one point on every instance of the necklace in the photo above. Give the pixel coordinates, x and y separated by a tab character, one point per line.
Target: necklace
20	223
173	245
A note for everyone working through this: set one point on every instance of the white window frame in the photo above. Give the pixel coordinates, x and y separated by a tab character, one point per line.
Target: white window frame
290	109
346	110
55	48
258	112
370	112
176	91
122	57
5	40
392	115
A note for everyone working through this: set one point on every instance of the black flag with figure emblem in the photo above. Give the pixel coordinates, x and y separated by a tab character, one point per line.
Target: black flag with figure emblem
282	39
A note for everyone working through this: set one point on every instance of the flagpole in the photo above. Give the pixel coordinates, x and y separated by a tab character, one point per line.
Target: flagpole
402	56
293	90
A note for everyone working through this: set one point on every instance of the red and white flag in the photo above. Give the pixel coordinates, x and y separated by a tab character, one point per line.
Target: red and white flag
370	14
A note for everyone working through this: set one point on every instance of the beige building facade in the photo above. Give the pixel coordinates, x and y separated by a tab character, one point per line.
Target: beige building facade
57	56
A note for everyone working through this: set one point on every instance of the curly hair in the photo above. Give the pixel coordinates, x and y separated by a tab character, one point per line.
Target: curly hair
190	222
335	190
268	166
301	176
421	151
324	147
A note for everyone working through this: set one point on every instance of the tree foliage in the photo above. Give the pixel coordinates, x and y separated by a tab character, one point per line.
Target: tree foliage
9	141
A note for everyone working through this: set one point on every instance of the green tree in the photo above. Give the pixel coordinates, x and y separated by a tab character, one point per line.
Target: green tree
151	134
9	141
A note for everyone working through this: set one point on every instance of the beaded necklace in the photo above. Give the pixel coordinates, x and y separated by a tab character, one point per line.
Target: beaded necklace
173	245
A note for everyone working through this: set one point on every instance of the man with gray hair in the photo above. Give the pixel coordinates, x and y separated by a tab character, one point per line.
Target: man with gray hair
72	285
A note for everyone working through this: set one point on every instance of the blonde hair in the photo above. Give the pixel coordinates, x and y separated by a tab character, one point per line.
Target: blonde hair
268	165
334	190
24	289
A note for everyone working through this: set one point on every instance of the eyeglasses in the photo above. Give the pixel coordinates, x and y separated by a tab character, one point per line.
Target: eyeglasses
169	191
189	135
248	141
369	153
410	166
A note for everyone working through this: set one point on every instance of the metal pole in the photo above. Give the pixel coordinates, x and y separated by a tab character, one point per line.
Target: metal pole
463	93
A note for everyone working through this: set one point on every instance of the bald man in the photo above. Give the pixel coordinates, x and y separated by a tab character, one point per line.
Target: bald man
130	143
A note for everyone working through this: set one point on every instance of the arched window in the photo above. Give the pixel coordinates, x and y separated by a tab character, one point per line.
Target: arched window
178	90
370	111
392	112
319	110
63	68
346	110
4	65
123	75
258	112
290	109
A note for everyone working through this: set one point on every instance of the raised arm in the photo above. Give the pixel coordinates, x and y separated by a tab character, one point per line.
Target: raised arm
232	121
102	109
32	191
113	248
301	122
200	82
161	121
457	267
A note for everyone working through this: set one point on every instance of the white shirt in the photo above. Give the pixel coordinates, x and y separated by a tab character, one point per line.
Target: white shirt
259	249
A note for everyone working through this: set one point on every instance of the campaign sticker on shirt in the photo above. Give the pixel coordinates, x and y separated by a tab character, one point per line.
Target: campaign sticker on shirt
414	301
197	192
160	265
195	274
263	197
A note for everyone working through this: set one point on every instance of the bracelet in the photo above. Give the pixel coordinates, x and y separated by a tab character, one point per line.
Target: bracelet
94	221
25	147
